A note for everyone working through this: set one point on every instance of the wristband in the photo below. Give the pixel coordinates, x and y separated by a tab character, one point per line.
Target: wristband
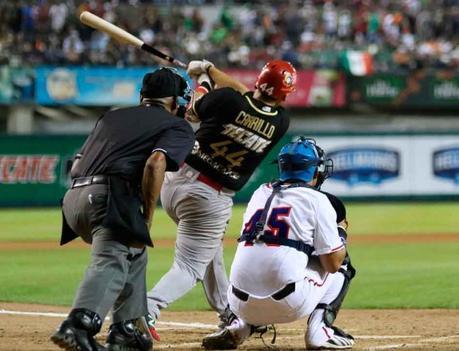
207	86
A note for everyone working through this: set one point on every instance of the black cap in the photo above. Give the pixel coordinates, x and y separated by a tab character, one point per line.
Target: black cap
163	82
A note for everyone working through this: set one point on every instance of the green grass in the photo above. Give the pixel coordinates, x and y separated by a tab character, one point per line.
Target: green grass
420	275
365	219
403	218
405	275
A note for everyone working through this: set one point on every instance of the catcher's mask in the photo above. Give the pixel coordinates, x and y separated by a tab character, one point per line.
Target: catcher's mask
325	168
303	160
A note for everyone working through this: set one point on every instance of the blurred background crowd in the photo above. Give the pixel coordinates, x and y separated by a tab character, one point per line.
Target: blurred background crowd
398	34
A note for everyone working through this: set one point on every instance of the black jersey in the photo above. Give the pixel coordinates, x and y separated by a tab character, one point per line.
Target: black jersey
236	133
123	139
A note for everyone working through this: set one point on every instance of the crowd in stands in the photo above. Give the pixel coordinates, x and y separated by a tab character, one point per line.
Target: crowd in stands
399	34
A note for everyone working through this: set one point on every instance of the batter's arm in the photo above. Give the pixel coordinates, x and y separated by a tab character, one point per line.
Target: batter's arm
153	177
223	80
218	77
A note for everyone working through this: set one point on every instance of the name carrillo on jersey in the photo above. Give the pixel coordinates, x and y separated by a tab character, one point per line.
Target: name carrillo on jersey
256	142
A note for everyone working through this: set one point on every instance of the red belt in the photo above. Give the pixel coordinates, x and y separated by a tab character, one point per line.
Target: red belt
210	182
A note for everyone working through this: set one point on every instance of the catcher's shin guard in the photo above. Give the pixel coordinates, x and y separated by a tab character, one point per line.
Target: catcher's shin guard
331	310
125	336
338	339
76	333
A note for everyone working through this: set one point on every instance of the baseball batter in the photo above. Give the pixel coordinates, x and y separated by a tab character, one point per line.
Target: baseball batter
238	129
289	262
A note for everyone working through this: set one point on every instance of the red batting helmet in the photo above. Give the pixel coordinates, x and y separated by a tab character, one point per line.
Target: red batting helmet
277	79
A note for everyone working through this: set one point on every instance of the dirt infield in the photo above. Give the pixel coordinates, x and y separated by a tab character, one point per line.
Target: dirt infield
374	329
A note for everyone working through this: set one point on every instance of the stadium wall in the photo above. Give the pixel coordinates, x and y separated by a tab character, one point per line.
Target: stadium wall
371	166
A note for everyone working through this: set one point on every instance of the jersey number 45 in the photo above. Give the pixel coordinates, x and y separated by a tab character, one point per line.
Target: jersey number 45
277	226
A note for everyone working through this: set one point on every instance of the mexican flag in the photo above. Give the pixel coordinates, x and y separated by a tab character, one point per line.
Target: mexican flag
357	63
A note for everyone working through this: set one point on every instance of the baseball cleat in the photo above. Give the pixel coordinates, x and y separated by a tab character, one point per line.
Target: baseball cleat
146	325
223	339
339	341
151	327
76	333
72	339
125	336
230	337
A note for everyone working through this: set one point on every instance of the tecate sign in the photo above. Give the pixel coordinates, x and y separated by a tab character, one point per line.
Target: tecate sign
28	169
446	164
372	165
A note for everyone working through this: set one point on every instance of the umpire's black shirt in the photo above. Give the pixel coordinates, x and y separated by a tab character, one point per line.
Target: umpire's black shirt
123	139
236	133
119	147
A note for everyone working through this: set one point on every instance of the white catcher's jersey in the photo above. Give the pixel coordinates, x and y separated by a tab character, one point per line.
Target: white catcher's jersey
298	213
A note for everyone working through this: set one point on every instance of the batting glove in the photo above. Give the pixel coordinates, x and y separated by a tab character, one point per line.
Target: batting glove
197	67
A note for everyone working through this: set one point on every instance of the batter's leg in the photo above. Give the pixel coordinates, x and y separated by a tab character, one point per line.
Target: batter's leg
202	218
173	285
215	283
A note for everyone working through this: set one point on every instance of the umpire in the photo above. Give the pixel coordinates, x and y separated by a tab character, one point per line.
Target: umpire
116	181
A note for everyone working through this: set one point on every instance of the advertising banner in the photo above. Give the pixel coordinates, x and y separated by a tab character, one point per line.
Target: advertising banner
388	165
33	169
380	166
416	90
16	84
314	88
113	86
89	86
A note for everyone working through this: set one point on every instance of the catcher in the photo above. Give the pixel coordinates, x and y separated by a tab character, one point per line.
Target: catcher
291	259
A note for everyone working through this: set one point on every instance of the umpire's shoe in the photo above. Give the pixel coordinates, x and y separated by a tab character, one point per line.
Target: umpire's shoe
125	336
76	333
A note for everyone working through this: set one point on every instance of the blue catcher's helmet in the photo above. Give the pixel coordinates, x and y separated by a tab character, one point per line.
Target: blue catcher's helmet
300	160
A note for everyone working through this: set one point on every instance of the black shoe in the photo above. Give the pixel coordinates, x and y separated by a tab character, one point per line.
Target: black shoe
125	336
223	339
77	332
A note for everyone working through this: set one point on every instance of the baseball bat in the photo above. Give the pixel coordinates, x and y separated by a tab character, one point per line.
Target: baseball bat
123	36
